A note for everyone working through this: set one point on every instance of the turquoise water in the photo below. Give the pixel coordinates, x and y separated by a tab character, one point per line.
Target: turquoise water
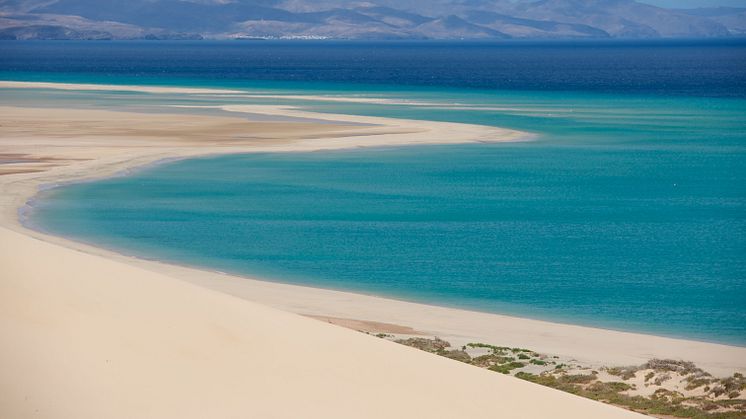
627	212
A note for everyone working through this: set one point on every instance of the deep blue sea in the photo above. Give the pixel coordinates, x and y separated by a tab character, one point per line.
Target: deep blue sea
627	212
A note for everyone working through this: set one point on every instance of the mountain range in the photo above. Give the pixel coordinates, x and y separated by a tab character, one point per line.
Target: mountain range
373	19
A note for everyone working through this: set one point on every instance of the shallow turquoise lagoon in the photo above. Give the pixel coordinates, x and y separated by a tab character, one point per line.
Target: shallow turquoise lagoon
627	212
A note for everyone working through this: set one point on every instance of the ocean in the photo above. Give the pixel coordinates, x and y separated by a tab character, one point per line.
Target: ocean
627	212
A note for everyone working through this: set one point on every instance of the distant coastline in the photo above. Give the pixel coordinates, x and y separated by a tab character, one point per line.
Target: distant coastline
378	19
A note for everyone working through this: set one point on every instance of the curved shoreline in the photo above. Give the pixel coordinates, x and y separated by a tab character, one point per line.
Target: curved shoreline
510	330
91	295
214	275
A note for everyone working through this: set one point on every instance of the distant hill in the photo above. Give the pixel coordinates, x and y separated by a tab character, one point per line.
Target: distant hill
374	19
732	18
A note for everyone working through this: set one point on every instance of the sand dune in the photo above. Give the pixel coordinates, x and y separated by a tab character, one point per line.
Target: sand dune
87	337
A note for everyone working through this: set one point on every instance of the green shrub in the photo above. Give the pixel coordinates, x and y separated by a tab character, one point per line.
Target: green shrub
457	355
578	378
429	345
506	368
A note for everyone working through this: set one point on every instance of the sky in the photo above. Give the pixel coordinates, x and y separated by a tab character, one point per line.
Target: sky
680	4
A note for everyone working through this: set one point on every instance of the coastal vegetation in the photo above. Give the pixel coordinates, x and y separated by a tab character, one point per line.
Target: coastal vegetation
660	388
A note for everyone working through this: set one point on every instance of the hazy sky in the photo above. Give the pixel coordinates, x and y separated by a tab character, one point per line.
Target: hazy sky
696	3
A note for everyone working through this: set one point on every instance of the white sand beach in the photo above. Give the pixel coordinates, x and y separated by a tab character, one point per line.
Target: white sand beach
89	333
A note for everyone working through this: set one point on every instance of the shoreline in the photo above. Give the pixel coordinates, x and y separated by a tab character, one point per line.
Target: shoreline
192	330
215	275
378	307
